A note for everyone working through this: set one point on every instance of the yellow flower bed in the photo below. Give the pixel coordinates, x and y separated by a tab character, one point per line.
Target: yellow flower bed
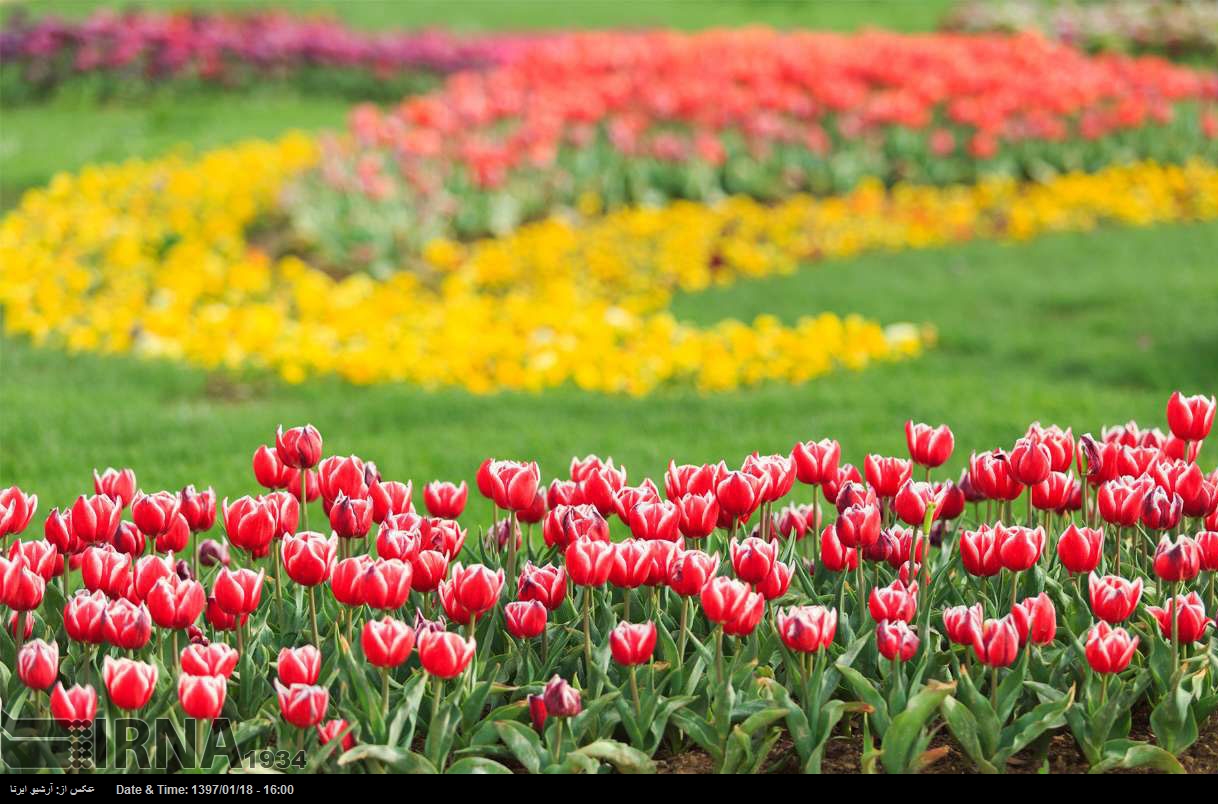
153	257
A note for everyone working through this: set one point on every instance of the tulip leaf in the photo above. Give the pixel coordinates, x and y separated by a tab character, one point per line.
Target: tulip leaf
963	726
478	765
905	740
1011	688
1173	721
700	731
868	694
1134	754
472	707
407	711
524	744
1032	724
621	756
399	759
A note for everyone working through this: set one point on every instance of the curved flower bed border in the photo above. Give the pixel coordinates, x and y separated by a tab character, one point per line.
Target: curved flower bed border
924	603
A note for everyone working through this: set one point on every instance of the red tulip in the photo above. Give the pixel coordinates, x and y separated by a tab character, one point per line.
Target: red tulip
546	584
308	557
816	462
834	555
444	499
753	559
689	479
38	664
1113	599
329	731
1019	548
129	539
1109	649
84	617
632	643
1080	549
269	471
1060	444
886	475
351	517
858	525
75	706
387	642
561	699
514	484
795	521
117	484
129	684
445	654
427	570
298	447
147	571
726	599
1035	618
21	588
302	705
347	580
589	562
627	497
807	629
832	485
312	482
1207	545
699	514
216	659
476	587
746	619
403	545
220	619
1120	501
386	584
929	446
239	591
895	602
175	603
689	570
739	494
1179	561
299	665
349	476
655	520
996	643
1161	510
388	498
202	696
1190	417
990	473
912	501
979	552
777	582
896	640
94	519
58	531
962	624
1055	493
1031	462
525	619
599	487
250	524
153	514
1192	621
562	492
126	625
778	472
40	557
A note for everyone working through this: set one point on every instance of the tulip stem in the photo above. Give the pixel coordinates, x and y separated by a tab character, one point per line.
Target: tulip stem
588	634
994	687
1173	607
719	653
511	565
313	614
545	644
199	742
634	691
558	740
685	626
384	692
1014	589
435	703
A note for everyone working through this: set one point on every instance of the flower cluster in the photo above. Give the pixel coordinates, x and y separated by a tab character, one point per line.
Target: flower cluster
789	590
226	49
164	258
638	118
1170	27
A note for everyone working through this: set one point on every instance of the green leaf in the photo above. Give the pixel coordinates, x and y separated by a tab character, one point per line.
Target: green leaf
473	765
963	726
399	759
1032	724
523	742
1173	722
622	757
868	694
407	711
903	741
1133	754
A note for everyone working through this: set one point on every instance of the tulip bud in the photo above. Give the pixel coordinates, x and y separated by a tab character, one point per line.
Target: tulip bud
301	705
561	699
298	447
1109	649
525	619
896	640
38	664
632	644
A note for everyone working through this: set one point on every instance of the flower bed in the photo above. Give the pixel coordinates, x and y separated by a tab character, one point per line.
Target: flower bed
789	597
121	53
647	118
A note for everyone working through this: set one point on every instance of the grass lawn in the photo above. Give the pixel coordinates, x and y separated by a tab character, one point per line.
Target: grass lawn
1081	330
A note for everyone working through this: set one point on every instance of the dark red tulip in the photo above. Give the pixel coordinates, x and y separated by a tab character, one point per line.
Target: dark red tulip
832	485
537	711
1109	649
1080	549
129	539
896	640
561	699
1179	560
1192	622
444	499
302	705
525	619
929	446
546	584
75	706
202	696
129	684
444	654
632	643
1113	599
126	625
117	484
387	642
351	517
807	629
886	475
38	664
300	665
298	447
1190	417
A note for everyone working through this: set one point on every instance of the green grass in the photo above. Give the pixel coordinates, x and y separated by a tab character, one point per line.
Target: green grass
1081	330
481	15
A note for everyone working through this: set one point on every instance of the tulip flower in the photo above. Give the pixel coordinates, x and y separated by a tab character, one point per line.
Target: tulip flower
386	642
564	493
895	640
778	472
1178	561
249	524
153	514
386	584
858	525
21	588
1035	618
347	580
427	570
990	473
129	684
269	471
895	602
689	570
239	591
807	629
40	557
996	643
308	557
38	664
202	696
126	625
1190	417
589	563
328	732
215	659
1056	493
777	582
816	462
962	624
632	644
726	599
689	480
886	475
1207	546
298	447
929	446
979	552
299	665
445	500
312	484
1019	548
1191	622
94	519
302	705
58	531
1030	461
561	699
444	654
525	619
1113	599
835	556
351	517
699	514
514	485
1108	649
117	484
739	494
655	520
220	619
912	501
833	484
1162	510
546	584
1060	444
753	559
1080	549
746	618
74	706
84	617
476	587
174	603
